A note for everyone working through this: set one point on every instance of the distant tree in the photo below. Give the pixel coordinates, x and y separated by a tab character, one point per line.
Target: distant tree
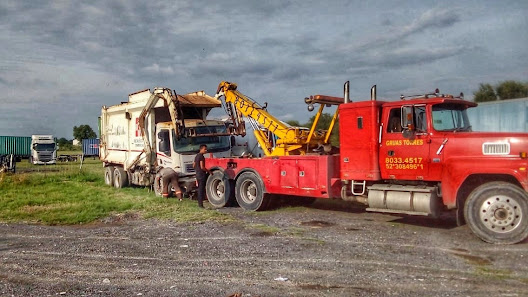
511	89
65	144
83	132
485	93
324	123
63	141
293	123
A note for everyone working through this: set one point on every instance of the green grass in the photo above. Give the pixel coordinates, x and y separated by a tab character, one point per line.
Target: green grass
264	228
499	274
66	194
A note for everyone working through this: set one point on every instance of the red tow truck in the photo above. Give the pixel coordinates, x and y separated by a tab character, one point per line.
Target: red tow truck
416	156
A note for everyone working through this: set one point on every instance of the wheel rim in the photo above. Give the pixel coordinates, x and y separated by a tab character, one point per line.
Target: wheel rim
248	191
107	178
117	180
500	214
218	188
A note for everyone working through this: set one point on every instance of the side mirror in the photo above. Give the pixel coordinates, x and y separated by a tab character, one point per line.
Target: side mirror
407	119
407	122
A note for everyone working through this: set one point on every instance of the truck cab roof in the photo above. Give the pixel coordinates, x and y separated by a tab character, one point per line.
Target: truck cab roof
432	100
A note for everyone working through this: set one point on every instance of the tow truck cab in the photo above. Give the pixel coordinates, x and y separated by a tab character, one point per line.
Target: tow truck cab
420	156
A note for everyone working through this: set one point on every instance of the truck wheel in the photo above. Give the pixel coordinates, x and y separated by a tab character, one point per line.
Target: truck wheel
249	192
109	175
219	189
158	186
497	212
120	178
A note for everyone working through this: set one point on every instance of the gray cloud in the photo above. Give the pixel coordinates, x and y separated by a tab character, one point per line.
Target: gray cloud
77	56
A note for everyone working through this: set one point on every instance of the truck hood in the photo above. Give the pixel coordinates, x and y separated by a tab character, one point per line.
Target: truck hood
489	144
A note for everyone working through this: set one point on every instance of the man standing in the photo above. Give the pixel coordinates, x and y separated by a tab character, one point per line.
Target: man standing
201	173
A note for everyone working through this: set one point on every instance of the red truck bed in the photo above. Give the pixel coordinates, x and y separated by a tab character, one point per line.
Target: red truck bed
309	175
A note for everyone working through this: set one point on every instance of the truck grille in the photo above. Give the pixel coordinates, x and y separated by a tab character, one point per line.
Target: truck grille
189	168
43	157
489	148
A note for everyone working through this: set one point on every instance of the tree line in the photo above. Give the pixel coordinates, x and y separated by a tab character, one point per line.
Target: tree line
323	123
505	90
79	133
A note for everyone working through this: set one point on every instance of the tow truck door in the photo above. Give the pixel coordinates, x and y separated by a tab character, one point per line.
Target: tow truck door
404	147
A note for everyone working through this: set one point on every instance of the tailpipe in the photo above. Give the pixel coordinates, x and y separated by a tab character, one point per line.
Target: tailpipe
373	93
347	92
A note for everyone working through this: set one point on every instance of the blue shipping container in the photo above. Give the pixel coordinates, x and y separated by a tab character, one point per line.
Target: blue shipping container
90	147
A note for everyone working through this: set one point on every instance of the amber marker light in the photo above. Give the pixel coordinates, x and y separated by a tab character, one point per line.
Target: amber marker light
523	155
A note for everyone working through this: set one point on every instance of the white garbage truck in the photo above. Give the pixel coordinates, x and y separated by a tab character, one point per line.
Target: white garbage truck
157	129
43	150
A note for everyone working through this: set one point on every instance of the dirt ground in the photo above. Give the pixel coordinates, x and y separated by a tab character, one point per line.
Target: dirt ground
328	249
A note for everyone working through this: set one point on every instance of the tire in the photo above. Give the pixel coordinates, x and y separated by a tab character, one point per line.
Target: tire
219	189
109	175
497	212
158	186
120	178
249	192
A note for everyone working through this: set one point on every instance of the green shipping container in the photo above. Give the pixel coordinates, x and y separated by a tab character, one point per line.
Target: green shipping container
19	146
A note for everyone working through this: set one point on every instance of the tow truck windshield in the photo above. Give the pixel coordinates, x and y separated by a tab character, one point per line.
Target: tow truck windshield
191	145
450	117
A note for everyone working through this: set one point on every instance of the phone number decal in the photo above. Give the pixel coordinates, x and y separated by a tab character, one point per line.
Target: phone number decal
404	163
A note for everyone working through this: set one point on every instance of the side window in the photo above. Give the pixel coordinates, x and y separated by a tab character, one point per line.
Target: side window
394	125
164	142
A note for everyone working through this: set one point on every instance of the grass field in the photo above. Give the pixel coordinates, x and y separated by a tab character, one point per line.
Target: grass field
67	194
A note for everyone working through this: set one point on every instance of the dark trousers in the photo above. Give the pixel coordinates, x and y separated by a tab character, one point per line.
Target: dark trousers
201	190
171	179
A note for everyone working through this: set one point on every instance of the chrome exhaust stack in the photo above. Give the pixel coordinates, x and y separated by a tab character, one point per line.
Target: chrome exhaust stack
347	91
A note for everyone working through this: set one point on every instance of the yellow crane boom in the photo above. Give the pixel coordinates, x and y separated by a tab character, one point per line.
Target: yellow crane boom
289	140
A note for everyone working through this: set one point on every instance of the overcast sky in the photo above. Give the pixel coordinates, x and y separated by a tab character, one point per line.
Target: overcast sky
62	60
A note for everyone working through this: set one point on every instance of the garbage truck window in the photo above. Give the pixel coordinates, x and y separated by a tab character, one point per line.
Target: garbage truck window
164	142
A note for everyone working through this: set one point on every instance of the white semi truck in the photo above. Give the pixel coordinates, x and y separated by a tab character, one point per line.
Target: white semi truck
158	129
43	150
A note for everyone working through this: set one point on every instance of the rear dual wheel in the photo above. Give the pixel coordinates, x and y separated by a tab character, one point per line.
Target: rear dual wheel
109	176
497	212
220	190
116	176
120	178
249	192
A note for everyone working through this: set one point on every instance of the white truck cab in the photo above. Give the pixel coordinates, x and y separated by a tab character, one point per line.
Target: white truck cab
43	150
